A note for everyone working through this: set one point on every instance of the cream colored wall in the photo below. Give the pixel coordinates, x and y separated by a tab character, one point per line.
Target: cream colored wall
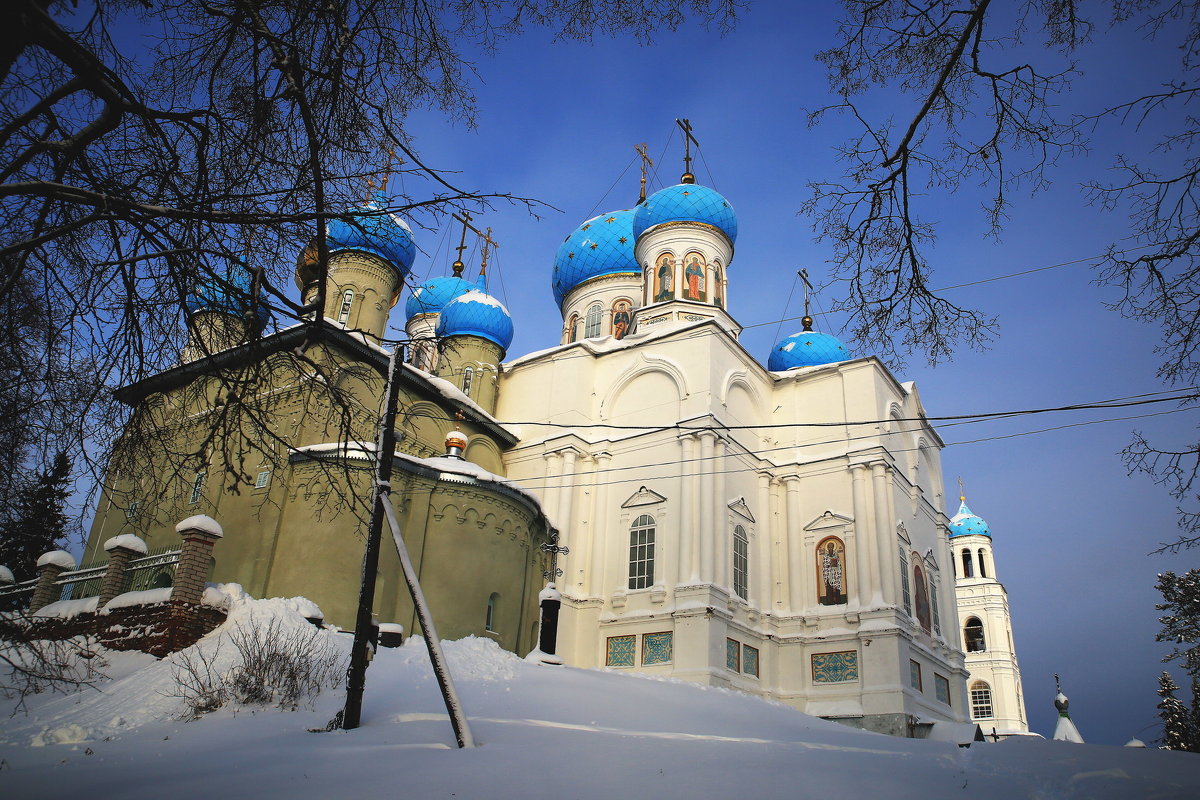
700	374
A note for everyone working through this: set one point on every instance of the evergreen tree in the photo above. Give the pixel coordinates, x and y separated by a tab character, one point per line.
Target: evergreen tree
36	520
1179	729
1181	623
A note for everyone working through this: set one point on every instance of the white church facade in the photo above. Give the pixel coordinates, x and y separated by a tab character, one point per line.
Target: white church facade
774	529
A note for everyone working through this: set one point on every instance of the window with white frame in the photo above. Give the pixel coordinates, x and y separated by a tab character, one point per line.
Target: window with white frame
741	562
641	552
973	635
264	477
982	565
591	327
981	701
197	488
347	304
905	587
933	601
468	380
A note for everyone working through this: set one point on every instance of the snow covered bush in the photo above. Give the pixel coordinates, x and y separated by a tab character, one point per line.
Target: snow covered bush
274	664
30	664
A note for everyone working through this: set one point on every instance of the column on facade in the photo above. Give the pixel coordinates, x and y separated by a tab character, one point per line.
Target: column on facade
946	587
550	487
600	525
721	538
587	531
867	571
778	531
888	562
793	535
707	522
566	504
761	578
687	510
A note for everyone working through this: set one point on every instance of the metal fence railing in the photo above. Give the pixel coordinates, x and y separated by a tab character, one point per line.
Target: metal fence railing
155	570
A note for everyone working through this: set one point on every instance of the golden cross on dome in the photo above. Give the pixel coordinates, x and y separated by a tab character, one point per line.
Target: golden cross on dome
685	125
465	219
962	494
647	162
392	161
488	242
807	321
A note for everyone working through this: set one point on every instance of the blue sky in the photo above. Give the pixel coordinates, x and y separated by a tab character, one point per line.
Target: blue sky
557	121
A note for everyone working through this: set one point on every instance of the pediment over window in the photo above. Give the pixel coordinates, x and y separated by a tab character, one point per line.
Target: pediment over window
740	508
643	497
828	520
902	532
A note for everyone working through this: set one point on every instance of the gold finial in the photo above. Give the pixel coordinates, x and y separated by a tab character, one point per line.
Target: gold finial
962	496
458	265
370	189
807	320
688	140
646	164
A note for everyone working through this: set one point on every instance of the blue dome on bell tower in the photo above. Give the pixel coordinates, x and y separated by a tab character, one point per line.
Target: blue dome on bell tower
966	523
372	230
230	294
476	313
686	202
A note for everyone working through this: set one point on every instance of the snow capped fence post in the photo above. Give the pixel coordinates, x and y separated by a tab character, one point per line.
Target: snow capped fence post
116	581
199	534
50	566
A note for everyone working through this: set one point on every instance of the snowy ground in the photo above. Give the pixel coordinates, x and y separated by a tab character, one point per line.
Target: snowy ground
544	732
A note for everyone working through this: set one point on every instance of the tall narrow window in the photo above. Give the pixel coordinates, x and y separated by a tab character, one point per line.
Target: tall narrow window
982	565
933	603
468	380
905	588
741	562
973	635
968	565
981	700
490	623
197	488
641	552
831	572
347	303
921	594
591	328
572	328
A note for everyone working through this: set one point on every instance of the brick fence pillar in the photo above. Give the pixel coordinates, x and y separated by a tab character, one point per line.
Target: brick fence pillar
199	534
50	566
120	550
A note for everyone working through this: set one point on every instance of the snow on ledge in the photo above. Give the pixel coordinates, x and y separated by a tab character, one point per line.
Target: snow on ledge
143	598
128	541
200	522
58	558
6	575
68	608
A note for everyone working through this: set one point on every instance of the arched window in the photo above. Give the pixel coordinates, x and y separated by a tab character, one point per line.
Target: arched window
347	303
592	327
572	328
982	565
921	592
718	291
490	623
933	602
981	700
973	635
968	565
831	572
641	552
468	380
905	586
741	562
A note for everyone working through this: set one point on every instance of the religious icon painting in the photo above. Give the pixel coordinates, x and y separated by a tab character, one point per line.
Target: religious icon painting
622	318
694	271
664	279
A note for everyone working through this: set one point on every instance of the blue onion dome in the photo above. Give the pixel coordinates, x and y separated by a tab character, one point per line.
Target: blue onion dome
230	294
686	202
380	234
965	523
432	296
601	246
477	313
807	349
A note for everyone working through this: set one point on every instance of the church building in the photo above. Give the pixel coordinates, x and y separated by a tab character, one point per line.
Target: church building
775	528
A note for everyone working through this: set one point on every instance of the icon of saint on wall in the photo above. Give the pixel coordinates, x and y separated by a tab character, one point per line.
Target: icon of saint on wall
621	318
693	275
665	279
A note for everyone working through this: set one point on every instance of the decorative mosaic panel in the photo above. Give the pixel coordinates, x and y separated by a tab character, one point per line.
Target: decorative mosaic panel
733	655
942	687
840	667
750	660
621	650
657	648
